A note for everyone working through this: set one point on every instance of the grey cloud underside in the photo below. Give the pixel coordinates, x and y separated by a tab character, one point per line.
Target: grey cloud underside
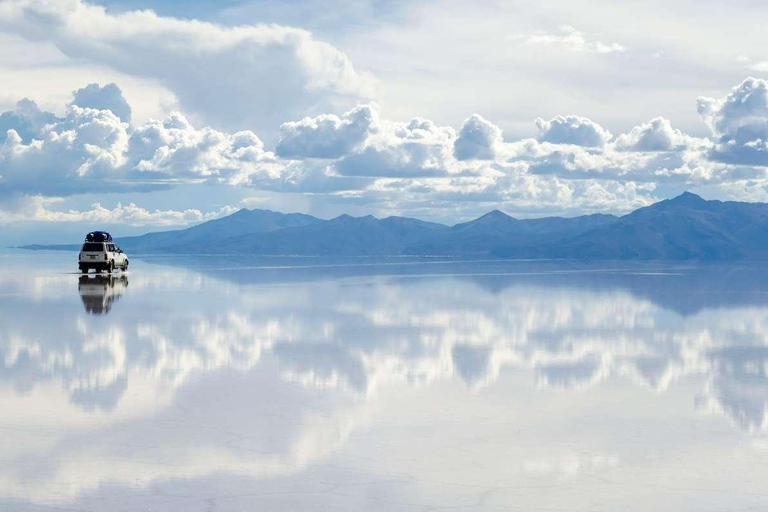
408	160
27	120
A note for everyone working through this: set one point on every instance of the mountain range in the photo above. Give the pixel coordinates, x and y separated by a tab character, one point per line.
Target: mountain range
686	227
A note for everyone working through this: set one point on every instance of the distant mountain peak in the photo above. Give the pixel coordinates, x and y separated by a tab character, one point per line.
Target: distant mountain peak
687	201
345	217
494	221
496	214
688	198
254	211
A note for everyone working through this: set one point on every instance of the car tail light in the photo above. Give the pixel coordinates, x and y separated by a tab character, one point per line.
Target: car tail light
105	256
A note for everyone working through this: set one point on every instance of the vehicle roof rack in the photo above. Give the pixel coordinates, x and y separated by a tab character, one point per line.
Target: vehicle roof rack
98	236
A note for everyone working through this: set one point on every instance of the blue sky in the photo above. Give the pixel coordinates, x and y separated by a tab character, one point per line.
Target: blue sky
138	115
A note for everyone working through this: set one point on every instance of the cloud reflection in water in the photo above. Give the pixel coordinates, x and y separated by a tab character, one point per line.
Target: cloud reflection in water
264	378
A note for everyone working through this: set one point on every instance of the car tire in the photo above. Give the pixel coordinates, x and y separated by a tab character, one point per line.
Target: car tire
83	270
125	267
111	267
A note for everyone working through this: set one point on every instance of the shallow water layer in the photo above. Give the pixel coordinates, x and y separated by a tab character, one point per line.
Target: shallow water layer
221	384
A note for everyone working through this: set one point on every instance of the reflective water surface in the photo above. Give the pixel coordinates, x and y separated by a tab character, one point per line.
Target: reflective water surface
279	384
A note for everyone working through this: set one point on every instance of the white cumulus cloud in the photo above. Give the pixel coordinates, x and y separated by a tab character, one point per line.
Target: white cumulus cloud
478	139
415	167
42	209
328	135
655	135
90	150
416	148
174	149
235	77
739	123
84	150
109	97
572	130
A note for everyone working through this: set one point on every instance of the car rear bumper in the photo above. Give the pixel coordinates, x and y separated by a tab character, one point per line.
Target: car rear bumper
95	266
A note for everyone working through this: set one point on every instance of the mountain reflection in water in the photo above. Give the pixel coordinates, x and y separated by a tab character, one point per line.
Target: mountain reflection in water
365	388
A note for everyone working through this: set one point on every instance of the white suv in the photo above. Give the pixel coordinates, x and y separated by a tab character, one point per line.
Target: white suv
102	256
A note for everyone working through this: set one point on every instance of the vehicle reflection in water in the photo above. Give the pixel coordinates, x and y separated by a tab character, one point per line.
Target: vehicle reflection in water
100	292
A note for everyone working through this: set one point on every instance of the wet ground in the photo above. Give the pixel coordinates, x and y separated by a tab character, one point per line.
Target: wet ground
217	384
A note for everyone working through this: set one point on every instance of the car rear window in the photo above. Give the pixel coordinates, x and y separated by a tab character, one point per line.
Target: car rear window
93	247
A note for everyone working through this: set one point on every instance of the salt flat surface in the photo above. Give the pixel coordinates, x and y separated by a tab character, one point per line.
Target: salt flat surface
210	384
